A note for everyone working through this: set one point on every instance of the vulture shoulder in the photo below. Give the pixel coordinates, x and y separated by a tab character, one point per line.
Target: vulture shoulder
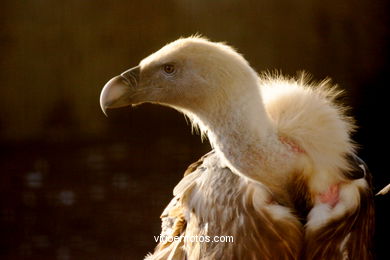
346	235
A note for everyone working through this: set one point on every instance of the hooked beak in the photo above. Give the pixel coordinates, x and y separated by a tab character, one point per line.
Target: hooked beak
117	92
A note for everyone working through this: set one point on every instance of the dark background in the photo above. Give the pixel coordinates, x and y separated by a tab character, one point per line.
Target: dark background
76	185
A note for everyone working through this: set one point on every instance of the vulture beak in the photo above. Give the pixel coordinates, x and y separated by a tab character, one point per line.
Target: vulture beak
118	91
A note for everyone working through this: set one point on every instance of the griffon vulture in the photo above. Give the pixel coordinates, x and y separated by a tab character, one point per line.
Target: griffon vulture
282	178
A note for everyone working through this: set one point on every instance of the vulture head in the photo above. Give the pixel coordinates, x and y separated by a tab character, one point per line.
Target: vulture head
212	84
192	75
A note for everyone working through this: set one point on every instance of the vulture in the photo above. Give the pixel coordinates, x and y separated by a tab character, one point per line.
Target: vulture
282	178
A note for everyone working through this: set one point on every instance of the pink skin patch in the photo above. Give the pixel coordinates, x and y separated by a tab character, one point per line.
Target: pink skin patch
331	196
293	146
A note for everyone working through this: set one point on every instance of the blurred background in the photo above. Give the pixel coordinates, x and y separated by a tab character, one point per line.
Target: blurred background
77	185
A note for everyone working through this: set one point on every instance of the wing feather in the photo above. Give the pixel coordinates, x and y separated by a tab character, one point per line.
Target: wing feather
173	221
348	236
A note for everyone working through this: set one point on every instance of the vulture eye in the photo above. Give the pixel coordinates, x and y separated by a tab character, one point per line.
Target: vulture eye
169	69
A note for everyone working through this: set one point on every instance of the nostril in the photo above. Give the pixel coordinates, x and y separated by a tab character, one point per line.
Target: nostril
125	80
131	76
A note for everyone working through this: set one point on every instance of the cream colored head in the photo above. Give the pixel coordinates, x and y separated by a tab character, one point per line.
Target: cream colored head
189	74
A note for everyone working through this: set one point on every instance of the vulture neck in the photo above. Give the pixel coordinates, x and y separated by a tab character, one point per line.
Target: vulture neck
243	134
